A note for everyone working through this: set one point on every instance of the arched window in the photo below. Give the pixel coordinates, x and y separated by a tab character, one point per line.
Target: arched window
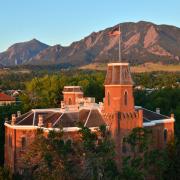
125	98
23	142
108	99
126	74
124	148
70	101
165	135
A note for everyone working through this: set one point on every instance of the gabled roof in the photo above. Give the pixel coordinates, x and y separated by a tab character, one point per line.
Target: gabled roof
5	97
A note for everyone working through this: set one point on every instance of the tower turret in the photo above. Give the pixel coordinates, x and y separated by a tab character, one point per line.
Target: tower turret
71	93
118	88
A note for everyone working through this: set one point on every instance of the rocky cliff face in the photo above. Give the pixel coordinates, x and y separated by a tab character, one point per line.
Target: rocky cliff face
141	42
20	53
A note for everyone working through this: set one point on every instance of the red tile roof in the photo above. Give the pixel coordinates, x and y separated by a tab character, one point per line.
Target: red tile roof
5	97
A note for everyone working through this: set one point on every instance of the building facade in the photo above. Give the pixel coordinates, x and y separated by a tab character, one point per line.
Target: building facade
117	111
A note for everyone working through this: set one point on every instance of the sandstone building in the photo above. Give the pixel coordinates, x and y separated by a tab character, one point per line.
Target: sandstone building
118	112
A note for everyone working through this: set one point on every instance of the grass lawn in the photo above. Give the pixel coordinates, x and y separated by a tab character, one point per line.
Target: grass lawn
147	67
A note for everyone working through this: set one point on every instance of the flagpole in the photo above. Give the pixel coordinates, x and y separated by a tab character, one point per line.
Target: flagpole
120	54
119	44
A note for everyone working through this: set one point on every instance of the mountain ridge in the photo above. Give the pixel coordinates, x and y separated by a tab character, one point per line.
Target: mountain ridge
21	52
141	42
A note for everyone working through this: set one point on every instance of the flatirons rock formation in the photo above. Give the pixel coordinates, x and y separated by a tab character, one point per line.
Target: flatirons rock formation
141	42
50	55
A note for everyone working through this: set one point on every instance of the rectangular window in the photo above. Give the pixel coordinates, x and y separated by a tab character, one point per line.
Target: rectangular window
10	140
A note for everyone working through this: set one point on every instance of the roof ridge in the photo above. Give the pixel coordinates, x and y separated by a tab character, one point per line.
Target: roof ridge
25	118
88	117
58	119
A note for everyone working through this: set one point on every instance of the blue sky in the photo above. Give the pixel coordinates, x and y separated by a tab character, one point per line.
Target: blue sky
64	21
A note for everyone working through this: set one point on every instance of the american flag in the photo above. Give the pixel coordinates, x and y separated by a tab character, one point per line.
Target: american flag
115	32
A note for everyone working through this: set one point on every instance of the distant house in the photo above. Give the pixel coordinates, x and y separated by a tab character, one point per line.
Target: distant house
6	99
14	92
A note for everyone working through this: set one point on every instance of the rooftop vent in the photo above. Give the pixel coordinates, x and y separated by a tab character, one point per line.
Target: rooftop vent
40	120
18	113
158	110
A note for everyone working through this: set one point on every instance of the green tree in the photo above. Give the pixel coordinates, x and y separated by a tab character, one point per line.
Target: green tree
143	161
90	157
42	92
5	112
99	154
50	158
172	171
5	174
133	164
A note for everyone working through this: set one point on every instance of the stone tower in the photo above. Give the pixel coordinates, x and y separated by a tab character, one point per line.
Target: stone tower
71	94
119	110
118	88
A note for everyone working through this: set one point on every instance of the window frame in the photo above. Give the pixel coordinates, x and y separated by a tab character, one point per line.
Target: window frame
23	142
70	101
124	146
165	135
109	101
125	97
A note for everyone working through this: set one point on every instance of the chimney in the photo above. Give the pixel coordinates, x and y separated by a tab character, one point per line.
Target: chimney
140	117
62	104
172	116
158	110
6	119
18	113
49	125
13	119
101	106
40	120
